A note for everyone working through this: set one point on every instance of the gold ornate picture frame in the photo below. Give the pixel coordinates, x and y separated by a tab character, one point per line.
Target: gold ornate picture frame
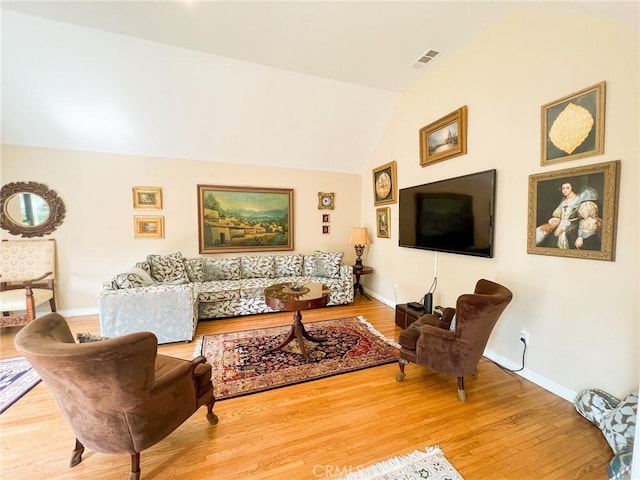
244	219
383	222
326	201
573	126
148	226
445	138
385	187
572	212
147	197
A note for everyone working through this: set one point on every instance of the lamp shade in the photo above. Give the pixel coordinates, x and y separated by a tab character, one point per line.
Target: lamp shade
359	236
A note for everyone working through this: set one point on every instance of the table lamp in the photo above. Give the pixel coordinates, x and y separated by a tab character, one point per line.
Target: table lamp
359	238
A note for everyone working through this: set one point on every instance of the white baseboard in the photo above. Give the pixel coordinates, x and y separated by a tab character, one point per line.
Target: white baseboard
541	381
78	312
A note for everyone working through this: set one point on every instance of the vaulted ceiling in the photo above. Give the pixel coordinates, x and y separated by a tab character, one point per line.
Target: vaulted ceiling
286	83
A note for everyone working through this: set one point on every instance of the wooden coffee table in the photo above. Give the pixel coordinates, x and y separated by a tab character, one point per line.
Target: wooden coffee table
285	297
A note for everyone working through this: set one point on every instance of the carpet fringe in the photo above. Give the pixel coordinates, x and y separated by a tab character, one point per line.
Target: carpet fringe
373	330
197	349
392	464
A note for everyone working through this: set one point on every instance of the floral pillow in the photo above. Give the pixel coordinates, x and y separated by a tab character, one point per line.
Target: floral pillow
327	264
221	269
167	268
136	277
194	268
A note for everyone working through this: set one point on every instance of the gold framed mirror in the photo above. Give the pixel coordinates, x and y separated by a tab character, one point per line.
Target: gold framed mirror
30	209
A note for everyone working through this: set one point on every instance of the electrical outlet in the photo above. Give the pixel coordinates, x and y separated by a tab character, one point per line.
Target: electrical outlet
524	337
395	287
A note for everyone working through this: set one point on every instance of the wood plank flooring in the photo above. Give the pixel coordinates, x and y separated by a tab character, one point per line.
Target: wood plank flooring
508	429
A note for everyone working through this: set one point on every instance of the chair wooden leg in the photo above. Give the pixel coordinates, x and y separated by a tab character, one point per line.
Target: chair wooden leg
401	363
135	467
211	417
76	455
462	393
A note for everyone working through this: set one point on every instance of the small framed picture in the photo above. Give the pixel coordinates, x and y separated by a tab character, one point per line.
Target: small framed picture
147	197
383	227
445	138
384	184
325	229
573	126
325	218
572	212
326	201
148	227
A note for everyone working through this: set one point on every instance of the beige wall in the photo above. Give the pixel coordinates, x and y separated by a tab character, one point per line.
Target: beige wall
582	315
96	240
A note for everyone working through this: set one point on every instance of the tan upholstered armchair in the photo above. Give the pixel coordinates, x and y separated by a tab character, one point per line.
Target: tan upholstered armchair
432	341
27	273
117	395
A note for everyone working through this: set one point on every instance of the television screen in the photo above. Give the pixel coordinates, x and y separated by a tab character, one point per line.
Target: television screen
453	215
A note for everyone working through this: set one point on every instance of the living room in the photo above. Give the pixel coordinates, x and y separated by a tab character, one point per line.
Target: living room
523	61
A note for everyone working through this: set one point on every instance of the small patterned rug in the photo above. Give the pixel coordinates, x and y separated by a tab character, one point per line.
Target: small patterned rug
243	363
16	378
430	464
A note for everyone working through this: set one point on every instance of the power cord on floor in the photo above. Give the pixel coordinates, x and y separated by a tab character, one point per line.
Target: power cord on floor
524	351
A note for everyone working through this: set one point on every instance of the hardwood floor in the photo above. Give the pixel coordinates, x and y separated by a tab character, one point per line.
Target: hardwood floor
508	429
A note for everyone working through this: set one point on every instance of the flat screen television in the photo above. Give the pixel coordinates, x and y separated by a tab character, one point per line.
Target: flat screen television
453	215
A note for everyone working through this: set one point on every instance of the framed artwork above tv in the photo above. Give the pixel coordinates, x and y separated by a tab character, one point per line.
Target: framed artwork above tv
445	138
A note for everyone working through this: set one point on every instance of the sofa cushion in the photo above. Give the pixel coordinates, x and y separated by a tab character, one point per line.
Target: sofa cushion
257	267
218	290
221	269
287	265
619	425
167	268
135	277
308	264
327	264
195	271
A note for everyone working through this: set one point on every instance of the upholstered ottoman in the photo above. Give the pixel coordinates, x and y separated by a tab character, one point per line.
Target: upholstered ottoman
617	420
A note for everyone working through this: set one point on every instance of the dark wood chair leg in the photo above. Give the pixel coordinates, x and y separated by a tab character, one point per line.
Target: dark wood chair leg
401	363
76	455
462	393
211	417
135	467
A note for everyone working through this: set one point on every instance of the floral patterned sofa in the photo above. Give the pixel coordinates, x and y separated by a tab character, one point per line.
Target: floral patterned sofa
168	294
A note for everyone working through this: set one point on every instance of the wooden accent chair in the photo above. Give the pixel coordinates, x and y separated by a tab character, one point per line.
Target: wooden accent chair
452	343
27	273
117	395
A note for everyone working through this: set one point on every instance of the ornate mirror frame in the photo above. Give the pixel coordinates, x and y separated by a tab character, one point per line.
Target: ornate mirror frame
56	209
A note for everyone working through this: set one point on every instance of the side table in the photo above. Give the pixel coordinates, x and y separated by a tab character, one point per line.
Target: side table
405	315
357	287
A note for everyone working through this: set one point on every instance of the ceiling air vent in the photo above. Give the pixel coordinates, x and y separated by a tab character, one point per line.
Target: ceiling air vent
424	59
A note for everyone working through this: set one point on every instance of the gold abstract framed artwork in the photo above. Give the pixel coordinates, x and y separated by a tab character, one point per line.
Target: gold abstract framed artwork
572	212
244	219
148	227
383	222
147	197
573	126
384	184
445	138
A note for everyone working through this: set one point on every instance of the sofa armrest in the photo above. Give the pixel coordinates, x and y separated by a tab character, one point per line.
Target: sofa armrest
169	311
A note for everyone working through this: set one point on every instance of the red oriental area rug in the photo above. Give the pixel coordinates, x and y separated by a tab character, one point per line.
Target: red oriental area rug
243	363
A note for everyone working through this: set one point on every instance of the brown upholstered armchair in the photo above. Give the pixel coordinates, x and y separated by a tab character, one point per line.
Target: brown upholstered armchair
117	395
431	342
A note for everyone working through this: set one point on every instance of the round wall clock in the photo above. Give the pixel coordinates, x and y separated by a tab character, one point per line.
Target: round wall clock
325	200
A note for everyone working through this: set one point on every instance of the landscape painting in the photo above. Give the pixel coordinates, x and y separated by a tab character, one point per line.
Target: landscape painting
242	219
